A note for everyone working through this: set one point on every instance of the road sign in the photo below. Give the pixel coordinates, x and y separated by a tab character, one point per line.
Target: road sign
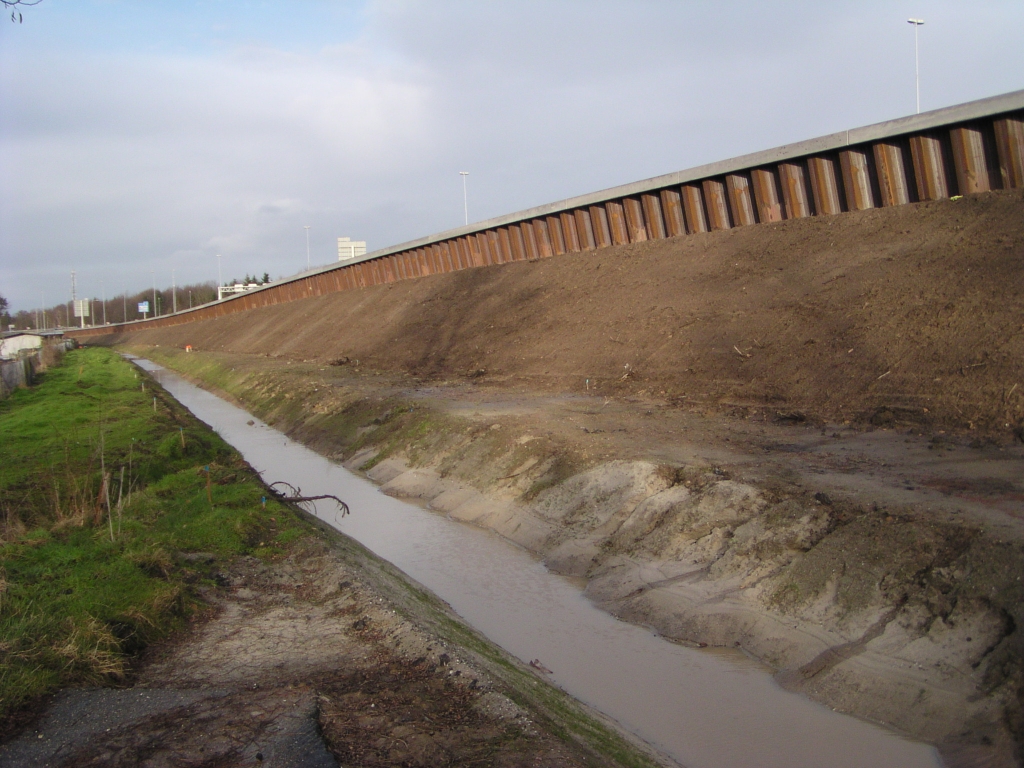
81	307
143	307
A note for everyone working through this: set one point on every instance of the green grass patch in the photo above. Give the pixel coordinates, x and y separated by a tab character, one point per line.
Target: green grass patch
85	584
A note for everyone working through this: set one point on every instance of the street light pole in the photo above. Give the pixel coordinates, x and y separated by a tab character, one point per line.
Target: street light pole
465	200
220	279
103	291
917	61
174	293
306	227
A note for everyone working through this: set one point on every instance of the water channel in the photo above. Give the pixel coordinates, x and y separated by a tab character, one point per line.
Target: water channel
704	708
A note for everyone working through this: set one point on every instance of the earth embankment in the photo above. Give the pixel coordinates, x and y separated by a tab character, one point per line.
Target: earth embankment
803	438
907	315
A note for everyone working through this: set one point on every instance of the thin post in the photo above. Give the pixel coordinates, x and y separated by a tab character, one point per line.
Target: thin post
465	198
917	61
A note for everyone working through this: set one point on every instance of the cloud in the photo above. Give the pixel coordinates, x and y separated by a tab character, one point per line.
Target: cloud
160	137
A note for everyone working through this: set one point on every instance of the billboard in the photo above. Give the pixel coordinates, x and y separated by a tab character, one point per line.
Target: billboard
81	307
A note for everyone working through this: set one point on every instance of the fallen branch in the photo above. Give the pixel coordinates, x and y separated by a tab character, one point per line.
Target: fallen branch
295	496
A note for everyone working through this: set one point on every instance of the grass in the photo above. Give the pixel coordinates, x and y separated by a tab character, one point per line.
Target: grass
85	581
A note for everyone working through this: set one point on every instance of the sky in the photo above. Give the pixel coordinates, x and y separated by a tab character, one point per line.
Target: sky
140	139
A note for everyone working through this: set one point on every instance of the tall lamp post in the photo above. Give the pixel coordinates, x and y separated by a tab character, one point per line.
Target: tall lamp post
917	61
306	227
465	199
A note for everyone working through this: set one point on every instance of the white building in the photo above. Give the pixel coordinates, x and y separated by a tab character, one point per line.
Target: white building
349	249
13	345
230	290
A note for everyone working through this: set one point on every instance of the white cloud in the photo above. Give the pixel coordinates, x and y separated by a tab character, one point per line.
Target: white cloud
118	160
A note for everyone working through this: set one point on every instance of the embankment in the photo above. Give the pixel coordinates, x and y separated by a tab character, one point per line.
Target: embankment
901	613
903	319
906	315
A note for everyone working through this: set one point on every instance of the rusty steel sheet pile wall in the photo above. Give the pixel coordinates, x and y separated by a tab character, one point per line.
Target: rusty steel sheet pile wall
962	150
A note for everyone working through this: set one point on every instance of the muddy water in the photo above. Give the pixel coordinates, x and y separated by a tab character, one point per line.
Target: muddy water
704	709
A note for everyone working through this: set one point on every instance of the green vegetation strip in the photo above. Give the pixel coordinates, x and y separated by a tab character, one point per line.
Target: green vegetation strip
107	485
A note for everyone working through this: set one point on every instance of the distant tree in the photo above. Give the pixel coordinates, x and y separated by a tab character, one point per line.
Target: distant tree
13	5
5	319
266	278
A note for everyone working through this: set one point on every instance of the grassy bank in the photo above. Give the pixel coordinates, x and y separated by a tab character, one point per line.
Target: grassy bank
108	490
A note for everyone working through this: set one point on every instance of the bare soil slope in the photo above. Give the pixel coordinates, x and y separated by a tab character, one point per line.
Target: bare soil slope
907	315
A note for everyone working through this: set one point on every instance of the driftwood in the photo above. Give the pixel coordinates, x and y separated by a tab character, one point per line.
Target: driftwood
289	492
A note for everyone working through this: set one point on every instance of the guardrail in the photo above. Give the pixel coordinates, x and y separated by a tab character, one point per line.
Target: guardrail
960	150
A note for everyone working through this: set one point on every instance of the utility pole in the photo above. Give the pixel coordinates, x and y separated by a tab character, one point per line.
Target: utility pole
174	293
465	199
917	61
306	227
124	305
220	280
103	292
155	311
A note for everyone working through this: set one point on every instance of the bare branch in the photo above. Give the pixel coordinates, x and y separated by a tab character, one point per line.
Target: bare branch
294	495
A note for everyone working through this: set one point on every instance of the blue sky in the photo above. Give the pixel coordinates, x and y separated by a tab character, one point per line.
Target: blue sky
137	138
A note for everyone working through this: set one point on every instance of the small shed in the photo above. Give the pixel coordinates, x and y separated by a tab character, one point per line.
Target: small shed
12	345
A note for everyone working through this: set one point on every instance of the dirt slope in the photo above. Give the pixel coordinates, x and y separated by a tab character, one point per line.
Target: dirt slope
910	315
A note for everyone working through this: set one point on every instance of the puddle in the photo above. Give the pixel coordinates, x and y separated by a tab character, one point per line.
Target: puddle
705	709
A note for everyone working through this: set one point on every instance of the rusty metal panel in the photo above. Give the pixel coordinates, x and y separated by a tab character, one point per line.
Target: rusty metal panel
969	160
824	187
717	205
572	238
585	229
795	202
447	258
740	203
652	215
467	252
462	251
856	172
635	228
505	245
494	243
485	248
530	239
1010	148
892	175
672	208
555	235
599	220
540	232
693	209
423	255
929	170
476	250
617	222
518	242
766	195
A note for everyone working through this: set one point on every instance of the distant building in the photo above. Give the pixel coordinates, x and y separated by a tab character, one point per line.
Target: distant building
229	290
350	249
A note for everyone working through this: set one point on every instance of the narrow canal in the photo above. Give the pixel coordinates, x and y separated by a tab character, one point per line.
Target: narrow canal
704	708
